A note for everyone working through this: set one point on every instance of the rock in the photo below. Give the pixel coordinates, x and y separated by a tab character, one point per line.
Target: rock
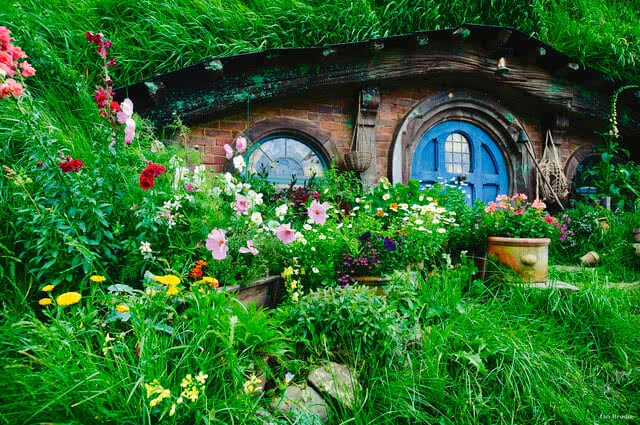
554	284
336	380
303	401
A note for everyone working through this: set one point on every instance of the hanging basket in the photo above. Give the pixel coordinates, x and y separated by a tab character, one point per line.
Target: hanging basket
358	160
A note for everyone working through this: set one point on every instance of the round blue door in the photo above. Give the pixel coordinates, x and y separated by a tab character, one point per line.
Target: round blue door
457	151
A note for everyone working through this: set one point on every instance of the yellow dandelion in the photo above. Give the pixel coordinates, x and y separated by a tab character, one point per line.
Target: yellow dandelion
122	308
68	298
48	288
173	290
97	278
44	301
169	280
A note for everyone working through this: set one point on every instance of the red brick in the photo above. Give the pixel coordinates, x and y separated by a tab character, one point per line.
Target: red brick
232	125
325	109
330	125
211	132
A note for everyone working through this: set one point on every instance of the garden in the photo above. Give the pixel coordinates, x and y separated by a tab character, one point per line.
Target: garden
123	260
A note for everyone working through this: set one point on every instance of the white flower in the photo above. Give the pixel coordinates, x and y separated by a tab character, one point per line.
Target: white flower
435	221
419	222
273	225
256	217
281	211
313	248
306	227
216	191
145	250
254	198
441	230
422	228
386	197
315	270
322	237
339	226
355	208
238	163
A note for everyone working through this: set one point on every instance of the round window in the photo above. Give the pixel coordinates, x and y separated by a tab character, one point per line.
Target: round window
283	158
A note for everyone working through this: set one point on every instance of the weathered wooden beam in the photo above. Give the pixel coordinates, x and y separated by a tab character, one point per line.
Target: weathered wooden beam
291	77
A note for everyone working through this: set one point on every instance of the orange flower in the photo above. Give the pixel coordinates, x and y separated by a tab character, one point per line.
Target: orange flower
394	206
379	212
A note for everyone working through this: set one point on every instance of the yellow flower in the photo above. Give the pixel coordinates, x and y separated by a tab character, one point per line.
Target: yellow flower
287	273
169	280
48	288
97	278
44	301
209	280
122	308
68	298
173	290
394	206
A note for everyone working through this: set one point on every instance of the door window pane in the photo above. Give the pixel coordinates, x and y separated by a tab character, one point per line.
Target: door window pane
283	158
457	154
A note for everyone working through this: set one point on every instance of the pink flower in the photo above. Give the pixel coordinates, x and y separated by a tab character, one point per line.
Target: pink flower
241	144
27	69
538	205
126	111
285	233
318	211
5	37
228	151
249	249
189	187
491	207
129	131
549	219
217	244
518	211
242	205
11	86
519	197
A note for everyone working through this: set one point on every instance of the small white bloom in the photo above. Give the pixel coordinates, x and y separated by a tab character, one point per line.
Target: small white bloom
355	208
435	221
322	237
306	227
419	222
441	230
313	248
238	163
281	211
339	225
256	217
386	197
315	270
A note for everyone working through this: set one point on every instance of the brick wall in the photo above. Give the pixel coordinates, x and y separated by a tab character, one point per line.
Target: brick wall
334	113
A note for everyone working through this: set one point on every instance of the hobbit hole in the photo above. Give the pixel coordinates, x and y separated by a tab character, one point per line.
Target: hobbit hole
487	95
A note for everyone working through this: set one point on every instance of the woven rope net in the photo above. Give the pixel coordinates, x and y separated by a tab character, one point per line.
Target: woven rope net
551	168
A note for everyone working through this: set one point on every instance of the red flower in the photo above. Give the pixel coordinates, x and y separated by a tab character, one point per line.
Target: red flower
518	212
114	106
195	273
73	165
148	175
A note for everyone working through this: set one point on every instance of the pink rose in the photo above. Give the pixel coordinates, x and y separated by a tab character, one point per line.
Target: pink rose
27	69
217	244
285	233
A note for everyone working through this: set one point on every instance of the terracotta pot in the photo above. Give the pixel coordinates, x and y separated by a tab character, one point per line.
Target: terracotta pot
590	258
267	292
529	257
603	224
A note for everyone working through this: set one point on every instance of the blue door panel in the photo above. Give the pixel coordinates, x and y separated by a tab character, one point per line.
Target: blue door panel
486	176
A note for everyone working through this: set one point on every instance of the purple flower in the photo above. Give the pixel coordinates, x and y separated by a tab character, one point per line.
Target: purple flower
389	244
364	237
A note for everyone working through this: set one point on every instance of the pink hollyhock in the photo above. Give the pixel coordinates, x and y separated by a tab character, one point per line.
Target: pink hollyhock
228	151
27	69
242	205
126	111
250	249
285	233
241	144
129	131
538	205
5	37
217	244
318	211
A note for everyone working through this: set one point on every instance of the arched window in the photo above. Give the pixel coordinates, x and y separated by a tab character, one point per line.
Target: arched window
284	157
458	157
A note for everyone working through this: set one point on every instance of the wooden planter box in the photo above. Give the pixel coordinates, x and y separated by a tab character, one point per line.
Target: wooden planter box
267	292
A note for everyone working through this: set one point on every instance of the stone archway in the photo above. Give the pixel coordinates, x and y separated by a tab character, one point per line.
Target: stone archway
473	107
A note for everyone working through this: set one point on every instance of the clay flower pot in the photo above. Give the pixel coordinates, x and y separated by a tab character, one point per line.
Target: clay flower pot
529	257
